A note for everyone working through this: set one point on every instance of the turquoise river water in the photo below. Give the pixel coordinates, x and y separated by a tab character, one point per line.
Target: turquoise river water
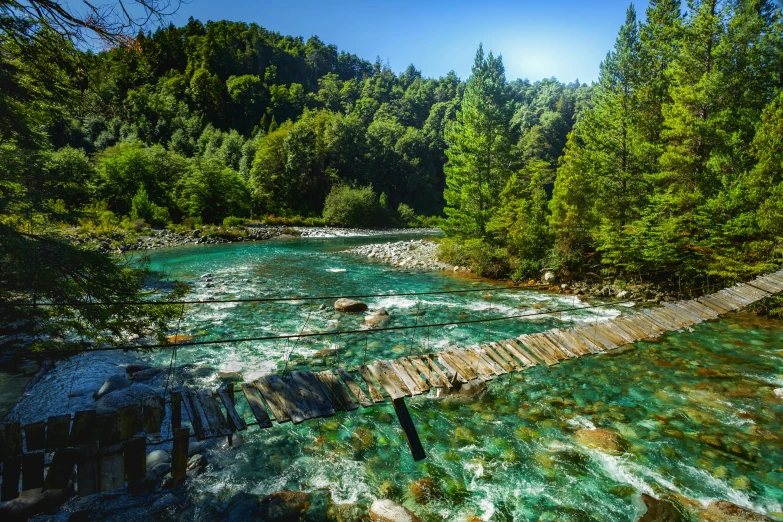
696	411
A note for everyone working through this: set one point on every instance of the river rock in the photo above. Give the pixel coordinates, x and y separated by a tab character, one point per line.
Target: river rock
600	439
112	384
229	376
548	277
157	457
283	506
146	375
466	389
197	462
127	396
135	368
34	502
377	317
162	469
779	393
659	510
724	511
424	490
384	510
349	305
346	513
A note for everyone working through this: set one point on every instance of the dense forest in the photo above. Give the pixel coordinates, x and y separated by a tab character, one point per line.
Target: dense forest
670	167
674	173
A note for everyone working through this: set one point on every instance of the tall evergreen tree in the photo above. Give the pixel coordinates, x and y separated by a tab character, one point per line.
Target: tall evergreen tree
478	149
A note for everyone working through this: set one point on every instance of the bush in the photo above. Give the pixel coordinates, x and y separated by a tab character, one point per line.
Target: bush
232	221
484	259
352	207
406	213
143	209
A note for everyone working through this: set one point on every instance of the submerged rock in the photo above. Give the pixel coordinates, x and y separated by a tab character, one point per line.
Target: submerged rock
385	510
146	374
424	490
661	510
377	317
466	389
349	305
600	439
346	513
724	511
113	383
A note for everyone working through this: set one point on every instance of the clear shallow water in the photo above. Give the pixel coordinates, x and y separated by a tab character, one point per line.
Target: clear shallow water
696	411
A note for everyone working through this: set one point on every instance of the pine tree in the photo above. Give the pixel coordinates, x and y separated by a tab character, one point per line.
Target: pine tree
478	149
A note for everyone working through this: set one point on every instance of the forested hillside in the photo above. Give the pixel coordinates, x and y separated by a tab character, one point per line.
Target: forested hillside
228	119
675	173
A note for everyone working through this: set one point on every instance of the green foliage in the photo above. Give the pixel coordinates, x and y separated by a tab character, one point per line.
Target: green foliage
484	259
232	221
142	208
210	191
353	207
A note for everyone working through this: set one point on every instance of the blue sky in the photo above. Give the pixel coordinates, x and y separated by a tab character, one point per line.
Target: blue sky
538	39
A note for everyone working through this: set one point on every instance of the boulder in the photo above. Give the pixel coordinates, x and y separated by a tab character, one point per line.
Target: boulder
229	376
349	305
662	511
162	469
779	393
548	277
112	384
377	317
724	511
283	506
384	510
146	375
465	389
197	461
157	457
33	502
622	294
424	490
127	397
600	439
346	513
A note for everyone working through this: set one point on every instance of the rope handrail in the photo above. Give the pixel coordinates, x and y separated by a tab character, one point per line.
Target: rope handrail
64	353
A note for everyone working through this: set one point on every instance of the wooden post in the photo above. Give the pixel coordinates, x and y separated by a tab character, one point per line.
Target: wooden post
32	470
35	436
108	429
179	454
83	426
57	429
152	410
11	468
230	389
135	453
12	436
61	469
176	410
112	468
128	423
417	450
87	470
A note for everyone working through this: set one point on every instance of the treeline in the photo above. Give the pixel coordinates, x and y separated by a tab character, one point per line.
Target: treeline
228	119
675	171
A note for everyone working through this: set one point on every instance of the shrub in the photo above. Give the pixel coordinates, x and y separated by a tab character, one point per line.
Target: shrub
406	213
142	208
483	258
232	221
352	207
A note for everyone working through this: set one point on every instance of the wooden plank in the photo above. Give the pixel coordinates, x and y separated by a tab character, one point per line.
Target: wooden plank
497	359
311	391
153	409
422	366
677	318
475	363
33	470
57	429
35	436
217	421
515	349
235	420
409	429
487	360
594	334
12	438
176	410
457	365
112	468
354	387
372	388
679	309
713	305
543	343
608	334
766	285
253	397
451	369
106	424
289	400
618	330
575	342
61	469
389	380
437	370
128	422
272	400
650	327
580	333
540	355
87	471
503	354
663	319
338	393
703	311
469	364
197	415
552	339
414	374
134	453
12	466
632	328
179	455
565	340
407	380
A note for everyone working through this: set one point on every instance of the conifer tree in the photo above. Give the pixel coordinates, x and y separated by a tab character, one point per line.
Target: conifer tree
478	149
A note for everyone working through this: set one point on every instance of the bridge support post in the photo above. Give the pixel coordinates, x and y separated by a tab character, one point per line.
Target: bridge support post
417	450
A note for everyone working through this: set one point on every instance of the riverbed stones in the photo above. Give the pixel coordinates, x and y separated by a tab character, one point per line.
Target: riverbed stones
600	439
349	305
157	457
384	510
113	383
418	253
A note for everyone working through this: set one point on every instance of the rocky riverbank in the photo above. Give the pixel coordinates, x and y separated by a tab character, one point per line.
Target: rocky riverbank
417	253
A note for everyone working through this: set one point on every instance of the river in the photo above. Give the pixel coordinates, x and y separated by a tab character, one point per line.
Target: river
696	411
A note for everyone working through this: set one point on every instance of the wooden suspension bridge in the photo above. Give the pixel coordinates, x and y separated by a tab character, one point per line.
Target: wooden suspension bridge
109	448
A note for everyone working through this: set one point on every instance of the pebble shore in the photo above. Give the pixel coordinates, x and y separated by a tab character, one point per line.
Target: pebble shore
417	253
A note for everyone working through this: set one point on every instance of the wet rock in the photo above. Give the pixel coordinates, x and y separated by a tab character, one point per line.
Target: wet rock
197	462
127	397
34	502
112	384
377	317
229	376
662	511
384	510
724	511
466	389
349	305
548	277
28	367
600	439
162	469
622	294
284	506
424	490
362	439
779	393
157	457
146	375
326	352
347	513
135	368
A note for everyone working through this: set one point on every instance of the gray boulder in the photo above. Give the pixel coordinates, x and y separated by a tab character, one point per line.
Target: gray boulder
384	510
146	374
127	397
112	384
349	305
162	469
157	457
